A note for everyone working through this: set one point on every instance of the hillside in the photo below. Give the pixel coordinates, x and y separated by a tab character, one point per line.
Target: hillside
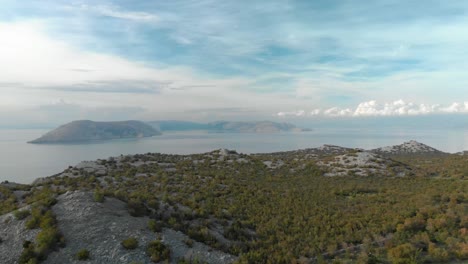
227	126
85	130
318	205
411	147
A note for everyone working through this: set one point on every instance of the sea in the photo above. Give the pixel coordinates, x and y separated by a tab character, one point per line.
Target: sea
22	162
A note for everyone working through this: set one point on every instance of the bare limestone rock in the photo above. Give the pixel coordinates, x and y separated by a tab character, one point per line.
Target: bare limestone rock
101	227
12	235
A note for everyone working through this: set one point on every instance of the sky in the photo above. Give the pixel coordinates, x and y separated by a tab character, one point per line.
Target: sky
209	60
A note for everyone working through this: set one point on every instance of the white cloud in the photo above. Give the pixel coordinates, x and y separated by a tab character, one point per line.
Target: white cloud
292	113
336	111
396	108
315	112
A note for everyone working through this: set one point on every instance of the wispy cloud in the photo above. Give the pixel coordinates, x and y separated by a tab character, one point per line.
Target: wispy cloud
112	86
115	12
183	55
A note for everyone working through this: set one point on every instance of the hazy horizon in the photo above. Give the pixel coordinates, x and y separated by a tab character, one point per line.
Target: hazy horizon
430	122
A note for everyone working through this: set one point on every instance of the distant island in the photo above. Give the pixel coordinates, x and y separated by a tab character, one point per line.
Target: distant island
86	130
227	126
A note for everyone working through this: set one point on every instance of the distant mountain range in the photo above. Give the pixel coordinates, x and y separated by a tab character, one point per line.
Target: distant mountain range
86	130
227	126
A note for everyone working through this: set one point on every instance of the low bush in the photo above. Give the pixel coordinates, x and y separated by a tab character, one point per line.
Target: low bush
28	255
154	225
98	196
405	253
130	243
136	208
83	254
32	223
21	214
158	251
47	240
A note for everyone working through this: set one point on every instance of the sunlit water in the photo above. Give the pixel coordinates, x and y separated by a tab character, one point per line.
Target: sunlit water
22	162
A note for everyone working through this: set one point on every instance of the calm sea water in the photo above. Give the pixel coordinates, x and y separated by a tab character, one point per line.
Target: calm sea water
22	162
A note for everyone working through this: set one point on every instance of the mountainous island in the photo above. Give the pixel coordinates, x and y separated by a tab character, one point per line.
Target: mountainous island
86	130
318	205
227	126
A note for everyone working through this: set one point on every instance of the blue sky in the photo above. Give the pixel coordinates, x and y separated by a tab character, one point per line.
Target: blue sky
206	60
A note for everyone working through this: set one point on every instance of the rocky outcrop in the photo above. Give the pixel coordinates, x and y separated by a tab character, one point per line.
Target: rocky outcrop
12	235
411	147
101	227
364	163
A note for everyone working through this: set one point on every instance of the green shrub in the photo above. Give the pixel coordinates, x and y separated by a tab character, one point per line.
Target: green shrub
130	243
28	255
158	251
98	196
189	242
153	203
47	220
438	254
47	240
32	223
404	254
154	225
83	254
136	208
21	214
33	261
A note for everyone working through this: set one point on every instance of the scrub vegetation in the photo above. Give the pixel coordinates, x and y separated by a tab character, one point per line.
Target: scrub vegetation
284	212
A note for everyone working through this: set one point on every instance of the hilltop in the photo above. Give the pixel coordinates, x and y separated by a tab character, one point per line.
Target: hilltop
411	147
86	130
317	205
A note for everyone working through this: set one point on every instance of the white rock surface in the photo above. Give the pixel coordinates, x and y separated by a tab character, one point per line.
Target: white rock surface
12	234
410	147
101	227
363	163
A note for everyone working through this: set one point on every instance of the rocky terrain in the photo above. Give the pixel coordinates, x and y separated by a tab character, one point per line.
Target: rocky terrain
364	163
409	148
227	207
13	233
104	225
85	130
